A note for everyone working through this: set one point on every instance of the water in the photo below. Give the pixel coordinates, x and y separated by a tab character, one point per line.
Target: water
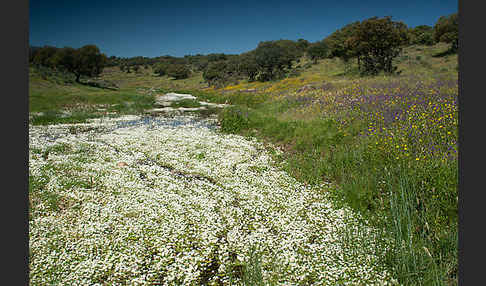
57	131
171	122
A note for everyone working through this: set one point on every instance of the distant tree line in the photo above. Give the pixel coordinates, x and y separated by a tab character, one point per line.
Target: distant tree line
269	61
86	61
374	43
131	64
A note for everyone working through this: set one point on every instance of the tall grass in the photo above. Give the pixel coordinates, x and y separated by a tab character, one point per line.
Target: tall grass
252	271
391	147
388	143
414	258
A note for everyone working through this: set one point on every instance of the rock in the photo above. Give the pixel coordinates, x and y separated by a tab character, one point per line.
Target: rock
171	109
213	104
122	164
163	103
168	98
171	96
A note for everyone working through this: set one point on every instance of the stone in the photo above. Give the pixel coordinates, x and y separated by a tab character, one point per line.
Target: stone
171	109
163	103
168	98
171	96
213	104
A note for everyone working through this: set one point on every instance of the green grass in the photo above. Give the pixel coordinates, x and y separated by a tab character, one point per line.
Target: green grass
392	195
185	103
51	102
52	93
413	201
318	151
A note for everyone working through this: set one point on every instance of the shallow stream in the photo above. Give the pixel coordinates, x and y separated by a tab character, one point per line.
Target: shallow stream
170	121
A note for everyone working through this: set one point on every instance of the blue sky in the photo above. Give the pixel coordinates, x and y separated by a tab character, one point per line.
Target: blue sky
182	27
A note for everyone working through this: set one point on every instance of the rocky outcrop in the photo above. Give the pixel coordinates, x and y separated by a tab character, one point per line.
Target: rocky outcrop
171	97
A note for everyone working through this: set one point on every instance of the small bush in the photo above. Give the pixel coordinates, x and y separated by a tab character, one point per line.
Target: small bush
161	69
178	71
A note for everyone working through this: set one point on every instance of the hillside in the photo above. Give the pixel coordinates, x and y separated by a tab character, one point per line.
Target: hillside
386	144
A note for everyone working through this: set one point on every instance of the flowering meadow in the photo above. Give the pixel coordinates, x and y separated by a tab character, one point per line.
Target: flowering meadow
417	117
173	201
408	122
321	178
390	144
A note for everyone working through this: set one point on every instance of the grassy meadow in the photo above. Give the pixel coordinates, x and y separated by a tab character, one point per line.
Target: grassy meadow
387	144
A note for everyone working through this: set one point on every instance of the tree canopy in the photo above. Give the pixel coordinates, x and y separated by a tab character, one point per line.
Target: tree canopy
215	73
318	50
178	71
340	42
374	43
447	30
85	61
272	58
45	56
422	35
377	41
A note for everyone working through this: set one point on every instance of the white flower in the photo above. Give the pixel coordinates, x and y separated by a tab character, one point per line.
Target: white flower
168	215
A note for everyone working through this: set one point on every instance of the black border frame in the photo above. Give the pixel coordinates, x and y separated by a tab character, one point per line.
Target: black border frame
15	87
15	24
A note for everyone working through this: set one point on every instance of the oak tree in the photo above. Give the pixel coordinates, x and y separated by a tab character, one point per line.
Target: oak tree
447	30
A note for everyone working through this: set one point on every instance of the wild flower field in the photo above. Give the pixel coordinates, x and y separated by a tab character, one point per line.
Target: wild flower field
363	191
173	201
389	143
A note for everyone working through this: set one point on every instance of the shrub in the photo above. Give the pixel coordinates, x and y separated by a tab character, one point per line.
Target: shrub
215	73
178	71
161	69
